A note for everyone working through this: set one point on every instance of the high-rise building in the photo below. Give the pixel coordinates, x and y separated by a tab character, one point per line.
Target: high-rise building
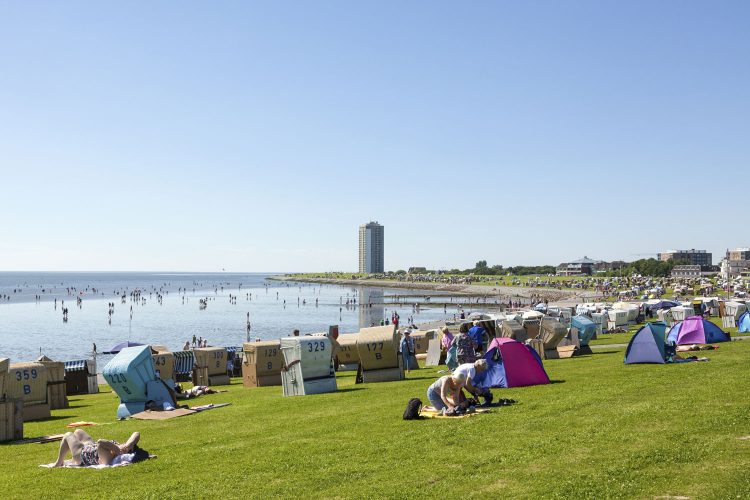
692	256
371	248
739	254
735	263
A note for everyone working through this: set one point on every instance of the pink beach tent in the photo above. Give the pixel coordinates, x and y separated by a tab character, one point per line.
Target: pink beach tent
512	364
696	330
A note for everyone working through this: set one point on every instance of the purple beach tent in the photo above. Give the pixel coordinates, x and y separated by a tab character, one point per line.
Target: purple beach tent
696	330
511	364
647	345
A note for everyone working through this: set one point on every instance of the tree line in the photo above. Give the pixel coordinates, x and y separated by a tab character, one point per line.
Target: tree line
645	267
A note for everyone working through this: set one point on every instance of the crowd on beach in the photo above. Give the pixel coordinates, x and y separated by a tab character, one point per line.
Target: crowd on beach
197	342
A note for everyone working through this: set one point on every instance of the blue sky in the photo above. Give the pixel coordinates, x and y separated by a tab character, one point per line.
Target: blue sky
257	136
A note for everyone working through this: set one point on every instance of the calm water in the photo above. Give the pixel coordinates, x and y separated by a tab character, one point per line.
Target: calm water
29	325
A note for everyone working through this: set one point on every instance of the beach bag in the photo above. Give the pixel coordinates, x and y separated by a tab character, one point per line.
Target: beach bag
412	409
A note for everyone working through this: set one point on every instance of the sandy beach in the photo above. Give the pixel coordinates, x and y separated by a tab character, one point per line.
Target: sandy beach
501	292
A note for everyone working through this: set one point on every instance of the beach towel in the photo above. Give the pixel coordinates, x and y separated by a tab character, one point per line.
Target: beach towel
80	424
179	412
430	412
687	360
68	464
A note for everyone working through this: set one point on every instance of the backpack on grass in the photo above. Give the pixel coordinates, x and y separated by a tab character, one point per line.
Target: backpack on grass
412	409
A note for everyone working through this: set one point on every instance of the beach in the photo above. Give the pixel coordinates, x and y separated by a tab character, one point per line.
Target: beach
459	289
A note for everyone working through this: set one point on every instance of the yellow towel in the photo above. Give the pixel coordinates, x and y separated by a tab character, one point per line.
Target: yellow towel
430	412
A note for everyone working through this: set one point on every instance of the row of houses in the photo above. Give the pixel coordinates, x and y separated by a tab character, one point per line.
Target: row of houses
736	263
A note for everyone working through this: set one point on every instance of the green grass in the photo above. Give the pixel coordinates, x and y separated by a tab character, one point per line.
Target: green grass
491	280
601	430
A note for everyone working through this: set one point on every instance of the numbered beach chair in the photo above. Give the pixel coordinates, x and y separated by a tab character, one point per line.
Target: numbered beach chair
261	363
28	382
308	366
378	355
132	376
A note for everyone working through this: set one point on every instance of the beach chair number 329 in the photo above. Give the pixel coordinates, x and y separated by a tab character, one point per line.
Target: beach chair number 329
316	346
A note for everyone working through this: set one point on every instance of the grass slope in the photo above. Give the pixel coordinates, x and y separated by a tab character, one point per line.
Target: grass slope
601	430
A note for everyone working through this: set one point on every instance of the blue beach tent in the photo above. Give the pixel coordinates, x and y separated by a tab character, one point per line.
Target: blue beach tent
662	304
743	324
647	345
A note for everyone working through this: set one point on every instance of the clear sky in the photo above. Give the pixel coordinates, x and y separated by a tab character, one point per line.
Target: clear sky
258	136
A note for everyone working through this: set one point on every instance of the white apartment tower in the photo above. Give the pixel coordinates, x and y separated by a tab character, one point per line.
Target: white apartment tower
371	248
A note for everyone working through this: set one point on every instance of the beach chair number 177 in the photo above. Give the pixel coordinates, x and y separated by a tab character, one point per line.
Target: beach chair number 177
377	348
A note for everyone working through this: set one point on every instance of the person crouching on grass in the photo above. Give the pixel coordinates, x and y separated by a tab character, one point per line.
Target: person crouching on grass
445	392
470	371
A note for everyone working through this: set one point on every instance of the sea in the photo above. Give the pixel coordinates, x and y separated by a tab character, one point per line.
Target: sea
166	309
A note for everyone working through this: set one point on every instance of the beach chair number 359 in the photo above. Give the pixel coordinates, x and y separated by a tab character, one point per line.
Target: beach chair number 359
26	375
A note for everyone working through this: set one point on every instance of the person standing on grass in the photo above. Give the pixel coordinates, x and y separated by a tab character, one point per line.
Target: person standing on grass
477	333
465	347
407	349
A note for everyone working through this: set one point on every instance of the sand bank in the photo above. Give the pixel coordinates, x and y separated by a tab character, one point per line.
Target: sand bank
501	292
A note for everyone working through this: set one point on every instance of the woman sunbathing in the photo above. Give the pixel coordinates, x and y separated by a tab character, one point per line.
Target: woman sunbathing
86	452
696	347
193	392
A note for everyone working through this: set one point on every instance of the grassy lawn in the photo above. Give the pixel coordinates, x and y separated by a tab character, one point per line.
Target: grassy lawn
601	430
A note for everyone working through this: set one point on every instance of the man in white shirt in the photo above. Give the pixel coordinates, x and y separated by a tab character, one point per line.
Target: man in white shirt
470	370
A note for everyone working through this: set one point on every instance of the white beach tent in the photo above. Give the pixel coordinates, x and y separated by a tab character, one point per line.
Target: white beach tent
632	309
680	313
584	309
735	309
617	318
665	315
601	321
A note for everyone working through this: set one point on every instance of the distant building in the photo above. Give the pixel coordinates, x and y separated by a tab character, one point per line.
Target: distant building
695	257
739	254
686	271
580	267
735	263
371	250
609	266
